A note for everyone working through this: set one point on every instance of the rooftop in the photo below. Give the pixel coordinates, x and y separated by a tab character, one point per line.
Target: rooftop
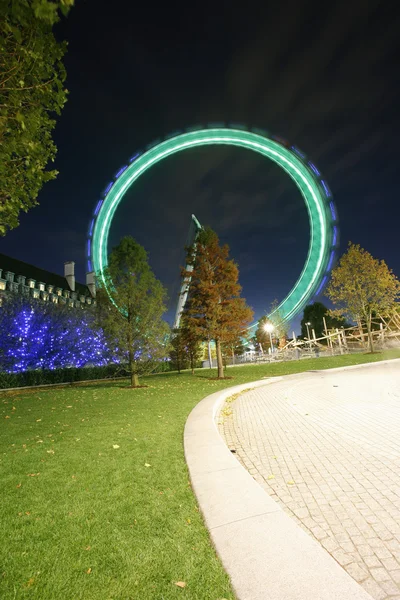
7	263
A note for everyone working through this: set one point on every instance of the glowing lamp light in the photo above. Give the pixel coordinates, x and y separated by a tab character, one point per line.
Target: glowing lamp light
269	327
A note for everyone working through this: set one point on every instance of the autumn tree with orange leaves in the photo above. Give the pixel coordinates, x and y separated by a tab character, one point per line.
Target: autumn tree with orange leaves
214	308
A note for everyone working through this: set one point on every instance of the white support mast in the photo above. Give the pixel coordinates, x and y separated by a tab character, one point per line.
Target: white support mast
194	229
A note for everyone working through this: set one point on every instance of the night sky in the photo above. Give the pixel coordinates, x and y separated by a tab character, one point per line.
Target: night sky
325	76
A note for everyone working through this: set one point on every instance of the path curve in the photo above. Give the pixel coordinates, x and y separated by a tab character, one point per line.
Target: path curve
326	446
265	552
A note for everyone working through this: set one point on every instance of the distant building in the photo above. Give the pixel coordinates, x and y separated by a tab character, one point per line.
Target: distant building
22	278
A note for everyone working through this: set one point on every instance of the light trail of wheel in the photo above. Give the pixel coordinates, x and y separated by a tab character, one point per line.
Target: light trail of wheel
316	194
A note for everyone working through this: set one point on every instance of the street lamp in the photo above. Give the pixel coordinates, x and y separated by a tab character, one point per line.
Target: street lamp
269	328
308	333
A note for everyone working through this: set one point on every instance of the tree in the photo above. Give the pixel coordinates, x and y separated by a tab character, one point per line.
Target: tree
178	353
191	342
43	335
32	91
207	351
361	285
214	308
281	326
315	314
131	316
234	347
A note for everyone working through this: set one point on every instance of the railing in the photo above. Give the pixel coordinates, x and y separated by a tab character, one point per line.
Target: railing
299	353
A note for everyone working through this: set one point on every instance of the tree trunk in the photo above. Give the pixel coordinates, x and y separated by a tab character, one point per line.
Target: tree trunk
219	360
132	365
370	337
192	364
233	356
134	379
360	327
132	369
209	354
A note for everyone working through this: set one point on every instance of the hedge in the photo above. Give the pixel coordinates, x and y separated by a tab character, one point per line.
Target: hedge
46	376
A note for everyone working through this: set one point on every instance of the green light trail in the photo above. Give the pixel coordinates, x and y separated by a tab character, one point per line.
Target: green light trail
323	233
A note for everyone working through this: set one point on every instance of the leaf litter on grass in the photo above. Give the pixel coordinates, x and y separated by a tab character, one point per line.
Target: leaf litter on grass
120	490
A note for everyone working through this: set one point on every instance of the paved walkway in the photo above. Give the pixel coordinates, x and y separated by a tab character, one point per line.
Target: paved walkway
326	447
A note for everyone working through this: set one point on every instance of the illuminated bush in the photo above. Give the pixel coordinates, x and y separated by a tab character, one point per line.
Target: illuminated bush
40	335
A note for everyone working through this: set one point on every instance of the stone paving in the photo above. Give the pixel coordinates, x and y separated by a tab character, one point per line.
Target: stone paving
326	446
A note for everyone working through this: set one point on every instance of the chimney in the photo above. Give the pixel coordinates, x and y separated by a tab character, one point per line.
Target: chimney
69	274
91	283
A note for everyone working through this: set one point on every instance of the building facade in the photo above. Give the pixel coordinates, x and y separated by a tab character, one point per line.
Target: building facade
22	278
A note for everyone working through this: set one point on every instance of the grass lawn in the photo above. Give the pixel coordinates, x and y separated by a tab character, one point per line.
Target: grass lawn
95	497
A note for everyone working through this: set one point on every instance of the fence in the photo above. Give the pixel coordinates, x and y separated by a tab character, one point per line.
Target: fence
385	334
278	356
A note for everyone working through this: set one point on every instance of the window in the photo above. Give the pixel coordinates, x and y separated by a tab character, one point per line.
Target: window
50	289
41	287
54	298
31	283
2	285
